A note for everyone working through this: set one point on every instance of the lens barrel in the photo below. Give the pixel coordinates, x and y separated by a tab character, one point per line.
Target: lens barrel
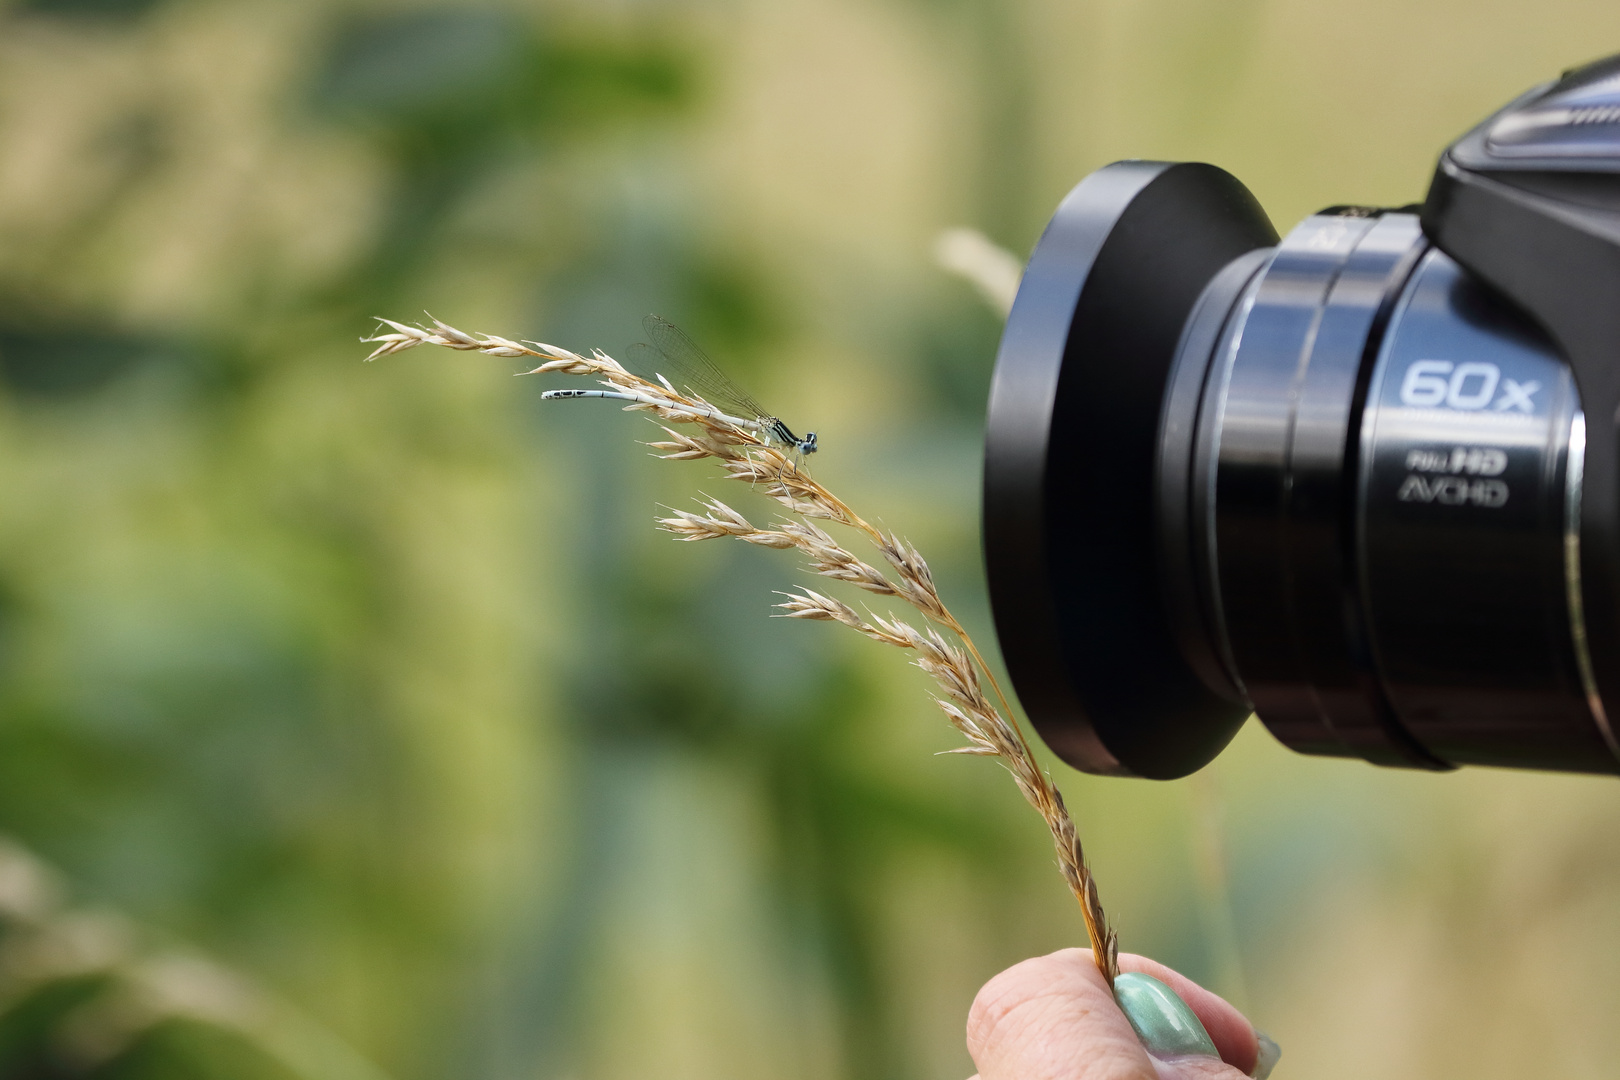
1332	479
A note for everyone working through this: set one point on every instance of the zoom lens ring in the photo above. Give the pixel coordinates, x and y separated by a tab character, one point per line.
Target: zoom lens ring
1250	420
1278	432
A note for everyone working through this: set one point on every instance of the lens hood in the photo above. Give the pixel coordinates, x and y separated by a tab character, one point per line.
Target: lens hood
1074	431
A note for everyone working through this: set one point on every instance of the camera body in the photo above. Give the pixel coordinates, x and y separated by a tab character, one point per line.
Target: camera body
1362	481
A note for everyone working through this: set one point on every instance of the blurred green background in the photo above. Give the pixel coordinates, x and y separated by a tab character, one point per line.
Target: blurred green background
356	724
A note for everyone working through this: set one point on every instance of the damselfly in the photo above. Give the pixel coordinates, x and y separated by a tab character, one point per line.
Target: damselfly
675	360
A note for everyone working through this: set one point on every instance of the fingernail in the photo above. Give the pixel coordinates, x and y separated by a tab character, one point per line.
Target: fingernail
1162	1021
1266	1060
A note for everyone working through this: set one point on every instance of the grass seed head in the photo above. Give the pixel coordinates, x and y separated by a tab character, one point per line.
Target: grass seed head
744	456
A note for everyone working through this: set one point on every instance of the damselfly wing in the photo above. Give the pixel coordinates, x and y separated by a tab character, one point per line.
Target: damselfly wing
675	356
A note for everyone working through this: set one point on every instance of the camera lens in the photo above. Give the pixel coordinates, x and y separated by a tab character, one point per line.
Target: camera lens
1332	479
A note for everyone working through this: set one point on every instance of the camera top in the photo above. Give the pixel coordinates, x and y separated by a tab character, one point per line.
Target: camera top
1571	124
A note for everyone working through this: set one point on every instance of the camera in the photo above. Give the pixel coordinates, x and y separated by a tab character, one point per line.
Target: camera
1362	481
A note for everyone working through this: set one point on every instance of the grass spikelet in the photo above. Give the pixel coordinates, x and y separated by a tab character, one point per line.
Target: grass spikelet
942	648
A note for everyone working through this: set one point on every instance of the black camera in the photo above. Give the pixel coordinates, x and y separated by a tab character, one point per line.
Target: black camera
1362	481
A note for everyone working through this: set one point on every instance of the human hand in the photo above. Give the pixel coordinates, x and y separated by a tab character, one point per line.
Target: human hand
1053	1018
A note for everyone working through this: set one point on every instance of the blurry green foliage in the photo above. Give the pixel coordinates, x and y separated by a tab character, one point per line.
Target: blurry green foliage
228	710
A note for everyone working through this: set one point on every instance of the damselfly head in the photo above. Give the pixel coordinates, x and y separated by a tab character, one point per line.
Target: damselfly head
808	444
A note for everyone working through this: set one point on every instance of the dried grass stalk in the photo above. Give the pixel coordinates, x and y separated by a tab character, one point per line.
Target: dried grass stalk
990	730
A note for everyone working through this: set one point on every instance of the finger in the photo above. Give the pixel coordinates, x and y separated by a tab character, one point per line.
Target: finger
1053	1017
1232	1034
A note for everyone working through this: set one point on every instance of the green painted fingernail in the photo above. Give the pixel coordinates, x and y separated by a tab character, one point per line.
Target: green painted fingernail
1266	1060
1162	1021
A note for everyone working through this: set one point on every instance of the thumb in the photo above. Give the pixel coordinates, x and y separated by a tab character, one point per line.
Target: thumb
1055	1017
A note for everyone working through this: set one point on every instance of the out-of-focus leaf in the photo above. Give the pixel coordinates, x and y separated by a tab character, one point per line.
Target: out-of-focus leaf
71	362
439	80
28	1022
105	10
409	66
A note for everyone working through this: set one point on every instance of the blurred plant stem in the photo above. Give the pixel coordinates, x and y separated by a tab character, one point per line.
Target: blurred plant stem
1208	814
